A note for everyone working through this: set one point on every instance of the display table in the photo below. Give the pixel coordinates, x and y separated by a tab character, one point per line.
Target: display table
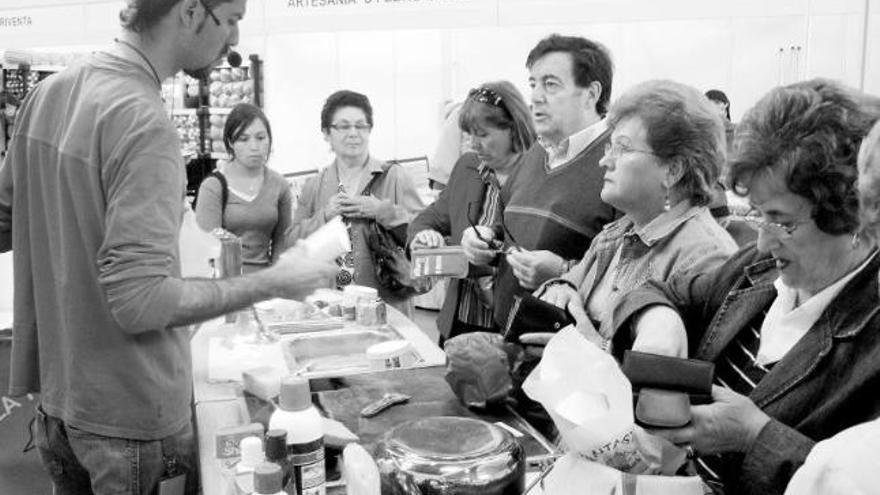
222	405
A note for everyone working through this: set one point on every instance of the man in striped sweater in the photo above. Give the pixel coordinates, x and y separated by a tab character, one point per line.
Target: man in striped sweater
552	210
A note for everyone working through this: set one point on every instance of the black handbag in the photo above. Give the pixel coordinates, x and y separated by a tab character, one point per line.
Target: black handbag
393	269
528	314
388	252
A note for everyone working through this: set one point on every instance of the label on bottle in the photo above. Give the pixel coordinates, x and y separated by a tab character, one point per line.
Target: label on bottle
308	475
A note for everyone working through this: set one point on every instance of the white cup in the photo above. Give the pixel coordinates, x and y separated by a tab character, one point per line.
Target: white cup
391	355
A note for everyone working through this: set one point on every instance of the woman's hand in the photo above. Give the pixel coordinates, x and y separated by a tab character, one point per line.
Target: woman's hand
362	206
334	205
533	268
731	423
428	238
559	295
476	250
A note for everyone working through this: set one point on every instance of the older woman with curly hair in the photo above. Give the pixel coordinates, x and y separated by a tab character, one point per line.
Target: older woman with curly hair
667	148
845	463
791	323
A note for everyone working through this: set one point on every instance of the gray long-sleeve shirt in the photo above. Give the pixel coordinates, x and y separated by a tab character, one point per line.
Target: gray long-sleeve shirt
91	201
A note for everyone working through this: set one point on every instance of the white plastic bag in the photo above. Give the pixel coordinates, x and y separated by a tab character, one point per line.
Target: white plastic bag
596	479
590	401
197	248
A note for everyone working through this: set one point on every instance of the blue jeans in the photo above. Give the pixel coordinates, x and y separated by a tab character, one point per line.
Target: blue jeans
79	462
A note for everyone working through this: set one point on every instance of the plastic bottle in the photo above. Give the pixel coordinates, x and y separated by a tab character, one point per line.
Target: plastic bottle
360	471
305	437
276	452
267	479
251	457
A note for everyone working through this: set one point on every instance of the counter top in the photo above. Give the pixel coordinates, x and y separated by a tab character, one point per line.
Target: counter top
221	405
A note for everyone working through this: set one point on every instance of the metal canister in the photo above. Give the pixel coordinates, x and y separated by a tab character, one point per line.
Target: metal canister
228	264
450	456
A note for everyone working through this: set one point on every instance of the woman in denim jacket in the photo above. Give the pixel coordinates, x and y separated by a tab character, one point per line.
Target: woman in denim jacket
667	148
792	323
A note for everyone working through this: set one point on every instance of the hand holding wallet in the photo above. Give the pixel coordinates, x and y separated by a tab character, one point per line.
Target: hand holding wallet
664	387
528	314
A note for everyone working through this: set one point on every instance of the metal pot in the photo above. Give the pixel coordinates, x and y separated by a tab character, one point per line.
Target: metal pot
450	456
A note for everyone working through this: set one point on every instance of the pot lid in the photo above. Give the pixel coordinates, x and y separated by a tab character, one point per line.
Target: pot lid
446	437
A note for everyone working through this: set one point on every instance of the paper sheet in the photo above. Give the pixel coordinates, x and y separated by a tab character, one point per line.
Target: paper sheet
228	357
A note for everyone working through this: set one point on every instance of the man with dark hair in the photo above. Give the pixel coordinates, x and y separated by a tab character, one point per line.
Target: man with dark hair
553	209
91	202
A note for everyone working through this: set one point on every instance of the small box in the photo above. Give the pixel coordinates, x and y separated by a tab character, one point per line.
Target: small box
448	261
229	439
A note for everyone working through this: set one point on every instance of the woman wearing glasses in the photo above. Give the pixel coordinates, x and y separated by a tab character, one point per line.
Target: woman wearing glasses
497	120
666	150
254	202
792	323
358	187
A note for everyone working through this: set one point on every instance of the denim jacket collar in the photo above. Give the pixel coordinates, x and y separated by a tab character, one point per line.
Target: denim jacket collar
756	292
657	229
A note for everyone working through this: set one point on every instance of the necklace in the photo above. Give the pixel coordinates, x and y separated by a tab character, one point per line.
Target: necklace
351	180
143	56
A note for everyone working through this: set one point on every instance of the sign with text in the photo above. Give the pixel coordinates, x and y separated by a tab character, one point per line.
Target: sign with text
339	15
41	20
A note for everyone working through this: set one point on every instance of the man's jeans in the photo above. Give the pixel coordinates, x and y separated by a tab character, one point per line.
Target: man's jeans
84	463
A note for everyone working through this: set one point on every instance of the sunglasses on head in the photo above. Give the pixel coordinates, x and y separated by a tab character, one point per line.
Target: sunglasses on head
487	96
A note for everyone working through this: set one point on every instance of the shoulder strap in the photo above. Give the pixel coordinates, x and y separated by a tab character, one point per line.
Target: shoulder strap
224	192
375	177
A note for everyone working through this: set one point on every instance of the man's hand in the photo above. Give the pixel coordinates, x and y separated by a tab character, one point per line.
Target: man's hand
426	239
533	268
295	275
477	251
729	424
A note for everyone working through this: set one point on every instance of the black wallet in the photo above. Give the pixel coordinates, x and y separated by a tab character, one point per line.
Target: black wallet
665	386
691	376
528	314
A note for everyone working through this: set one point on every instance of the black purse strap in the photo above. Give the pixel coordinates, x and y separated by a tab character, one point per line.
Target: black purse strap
397	233
224	192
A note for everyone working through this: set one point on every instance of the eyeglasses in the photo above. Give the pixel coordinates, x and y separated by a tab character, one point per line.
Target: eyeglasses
615	150
210	12
776	229
487	96
473	211
360	127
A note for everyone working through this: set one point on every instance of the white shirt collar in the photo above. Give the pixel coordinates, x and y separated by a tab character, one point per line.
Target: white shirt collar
786	324
573	145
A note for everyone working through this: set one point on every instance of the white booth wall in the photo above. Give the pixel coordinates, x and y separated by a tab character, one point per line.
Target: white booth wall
412	57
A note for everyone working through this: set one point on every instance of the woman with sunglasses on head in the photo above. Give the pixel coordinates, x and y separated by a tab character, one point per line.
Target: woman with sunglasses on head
666	150
497	120
255	201
792	322
360	188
